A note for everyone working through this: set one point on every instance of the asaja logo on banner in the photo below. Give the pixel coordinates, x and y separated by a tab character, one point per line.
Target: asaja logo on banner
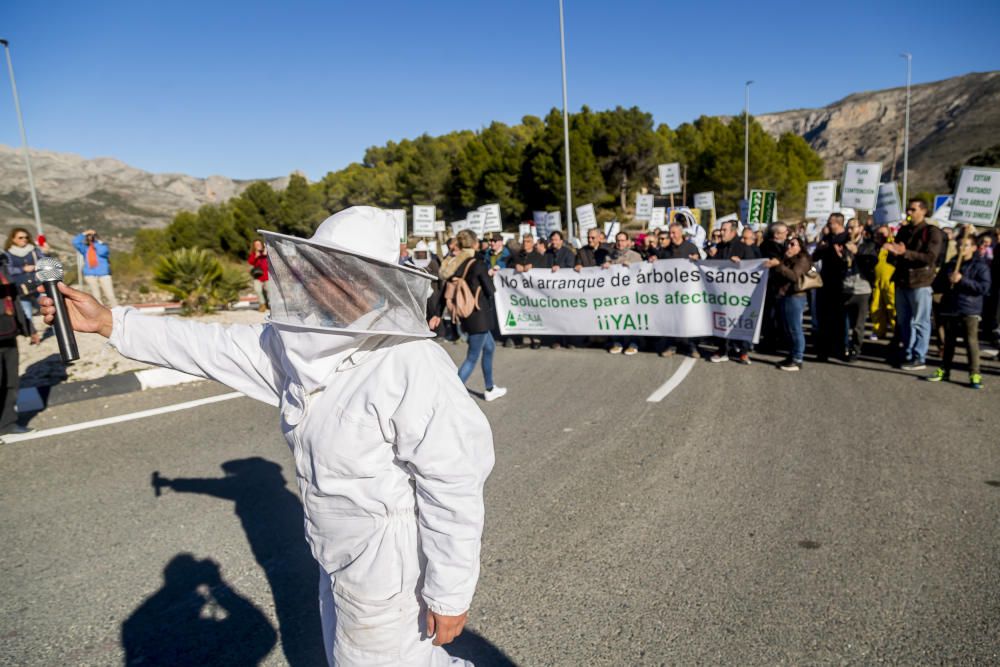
724	323
526	320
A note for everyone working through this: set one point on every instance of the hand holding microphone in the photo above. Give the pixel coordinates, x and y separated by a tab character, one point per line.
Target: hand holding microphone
75	310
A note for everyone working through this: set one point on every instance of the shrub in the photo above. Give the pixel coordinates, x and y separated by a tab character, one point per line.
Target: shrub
198	279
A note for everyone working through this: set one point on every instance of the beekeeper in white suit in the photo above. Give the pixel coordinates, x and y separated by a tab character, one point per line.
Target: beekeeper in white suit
391	453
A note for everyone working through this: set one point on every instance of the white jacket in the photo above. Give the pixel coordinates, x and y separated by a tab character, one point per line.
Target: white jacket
393	433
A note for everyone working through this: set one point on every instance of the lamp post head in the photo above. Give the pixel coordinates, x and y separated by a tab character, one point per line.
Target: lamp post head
4	42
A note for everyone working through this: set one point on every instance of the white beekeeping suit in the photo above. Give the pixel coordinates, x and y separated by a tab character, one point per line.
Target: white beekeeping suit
391	453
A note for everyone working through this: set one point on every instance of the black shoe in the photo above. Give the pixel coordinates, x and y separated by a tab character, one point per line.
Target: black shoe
535	346
851	357
17	429
790	365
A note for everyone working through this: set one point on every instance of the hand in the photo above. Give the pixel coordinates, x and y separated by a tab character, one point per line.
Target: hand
895	248
444	628
735	259
955	277
29	267
554	269
771	263
493	271
852	248
434	323
86	315
606	265
651	259
578	268
694	256
35	338
839	249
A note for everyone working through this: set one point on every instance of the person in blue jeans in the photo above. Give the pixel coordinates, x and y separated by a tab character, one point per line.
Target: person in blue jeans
915	255
463	265
788	271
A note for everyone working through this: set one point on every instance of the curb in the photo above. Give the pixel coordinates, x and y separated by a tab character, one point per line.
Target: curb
34	399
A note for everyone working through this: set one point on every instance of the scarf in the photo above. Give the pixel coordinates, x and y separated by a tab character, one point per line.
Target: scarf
450	265
92	256
21	251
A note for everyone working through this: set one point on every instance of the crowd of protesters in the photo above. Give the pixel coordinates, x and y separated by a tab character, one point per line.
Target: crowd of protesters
915	285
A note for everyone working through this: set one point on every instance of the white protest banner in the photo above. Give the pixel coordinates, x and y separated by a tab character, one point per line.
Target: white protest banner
492	222
476	220
820	196
887	209
587	217
705	201
658	218
611	229
439	226
670	297
423	220
399	218
977	196
859	189
524	229
643	207
670	178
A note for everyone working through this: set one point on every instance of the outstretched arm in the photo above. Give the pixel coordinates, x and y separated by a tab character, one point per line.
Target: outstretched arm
232	355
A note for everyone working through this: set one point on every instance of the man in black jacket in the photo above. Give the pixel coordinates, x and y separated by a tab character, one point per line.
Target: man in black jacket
915	254
735	251
595	253
831	253
677	248
862	256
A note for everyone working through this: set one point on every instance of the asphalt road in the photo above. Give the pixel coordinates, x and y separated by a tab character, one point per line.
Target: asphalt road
842	514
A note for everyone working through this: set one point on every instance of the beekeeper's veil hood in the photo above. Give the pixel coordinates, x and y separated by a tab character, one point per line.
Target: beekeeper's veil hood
342	290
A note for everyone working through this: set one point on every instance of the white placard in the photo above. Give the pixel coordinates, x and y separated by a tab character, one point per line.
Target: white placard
423	220
540	218
705	201
492	222
399	217
977	196
476	220
670	178
611	229
554	221
643	207
439	226
887	209
458	226
820	196
658	218
524	229
587	217
859	189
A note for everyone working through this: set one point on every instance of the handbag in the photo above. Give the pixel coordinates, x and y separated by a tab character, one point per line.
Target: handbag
809	280
256	272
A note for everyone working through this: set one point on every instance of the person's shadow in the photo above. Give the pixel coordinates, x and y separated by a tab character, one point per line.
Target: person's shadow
196	619
272	519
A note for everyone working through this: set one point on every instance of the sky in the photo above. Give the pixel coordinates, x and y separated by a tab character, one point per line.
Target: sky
255	89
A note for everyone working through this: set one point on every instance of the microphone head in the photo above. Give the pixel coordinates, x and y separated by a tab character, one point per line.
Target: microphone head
48	269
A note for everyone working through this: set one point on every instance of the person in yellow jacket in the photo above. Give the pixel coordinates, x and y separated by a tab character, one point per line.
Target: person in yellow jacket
883	306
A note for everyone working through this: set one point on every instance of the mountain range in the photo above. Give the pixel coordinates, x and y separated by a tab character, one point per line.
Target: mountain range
950	121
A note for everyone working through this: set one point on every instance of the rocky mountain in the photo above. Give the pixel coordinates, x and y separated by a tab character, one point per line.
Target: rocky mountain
104	193
950	121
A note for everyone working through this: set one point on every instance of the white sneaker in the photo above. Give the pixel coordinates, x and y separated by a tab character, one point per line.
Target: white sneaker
495	393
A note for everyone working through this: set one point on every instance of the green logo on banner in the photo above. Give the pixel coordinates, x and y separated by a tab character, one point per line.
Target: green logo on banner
511	320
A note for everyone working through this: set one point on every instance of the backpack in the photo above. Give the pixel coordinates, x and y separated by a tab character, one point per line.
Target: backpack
458	298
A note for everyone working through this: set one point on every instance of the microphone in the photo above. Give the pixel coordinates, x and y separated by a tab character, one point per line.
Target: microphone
50	271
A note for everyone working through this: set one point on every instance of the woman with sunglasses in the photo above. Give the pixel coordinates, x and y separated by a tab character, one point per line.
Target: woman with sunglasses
788	272
22	256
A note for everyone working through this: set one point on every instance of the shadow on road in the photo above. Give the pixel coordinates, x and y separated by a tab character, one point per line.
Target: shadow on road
196	619
471	646
271	517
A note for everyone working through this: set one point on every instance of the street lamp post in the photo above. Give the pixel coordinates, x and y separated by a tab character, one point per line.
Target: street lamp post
569	192
906	127
746	141
24	140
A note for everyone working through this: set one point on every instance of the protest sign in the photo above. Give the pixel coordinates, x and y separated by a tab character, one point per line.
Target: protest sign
399	218
643	207
670	178
820	196
458	226
423	220
476	220
539	217
587	217
551	222
658	218
977	196
705	201
744	210
492	222
887	209
671	297
524	229
611	229
939	201
859	189
439	226
763	205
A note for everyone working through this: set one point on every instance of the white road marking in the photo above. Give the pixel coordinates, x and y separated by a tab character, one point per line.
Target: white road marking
120	418
674	380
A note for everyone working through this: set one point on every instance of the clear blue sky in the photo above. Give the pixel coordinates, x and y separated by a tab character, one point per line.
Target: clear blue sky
253	89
